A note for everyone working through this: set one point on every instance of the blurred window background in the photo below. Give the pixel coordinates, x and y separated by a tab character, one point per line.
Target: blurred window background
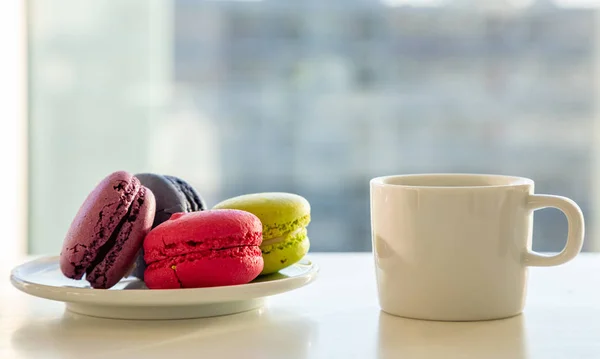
313	97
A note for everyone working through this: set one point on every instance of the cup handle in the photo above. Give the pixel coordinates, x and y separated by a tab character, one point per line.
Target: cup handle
574	236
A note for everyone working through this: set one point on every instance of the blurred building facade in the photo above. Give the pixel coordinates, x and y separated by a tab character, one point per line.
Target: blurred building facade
317	97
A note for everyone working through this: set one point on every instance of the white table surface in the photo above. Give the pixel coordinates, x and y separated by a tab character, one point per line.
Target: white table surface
335	317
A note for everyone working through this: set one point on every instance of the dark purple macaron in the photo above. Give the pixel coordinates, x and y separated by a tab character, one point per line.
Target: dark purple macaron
108	231
172	194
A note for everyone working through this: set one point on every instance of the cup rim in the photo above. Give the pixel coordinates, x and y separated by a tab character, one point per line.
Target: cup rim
504	180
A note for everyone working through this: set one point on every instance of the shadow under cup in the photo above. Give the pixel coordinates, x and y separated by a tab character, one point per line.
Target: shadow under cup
407	338
456	247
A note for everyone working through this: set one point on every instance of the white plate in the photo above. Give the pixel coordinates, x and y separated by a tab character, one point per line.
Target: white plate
130	299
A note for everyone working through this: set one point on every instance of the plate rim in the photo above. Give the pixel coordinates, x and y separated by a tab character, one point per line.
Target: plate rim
159	297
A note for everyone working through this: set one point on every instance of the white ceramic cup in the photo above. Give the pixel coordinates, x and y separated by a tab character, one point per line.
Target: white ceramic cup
456	247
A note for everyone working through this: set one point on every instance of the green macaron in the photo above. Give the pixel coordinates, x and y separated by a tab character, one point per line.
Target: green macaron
284	217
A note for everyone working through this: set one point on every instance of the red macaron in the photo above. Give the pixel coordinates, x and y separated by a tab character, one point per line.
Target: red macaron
204	249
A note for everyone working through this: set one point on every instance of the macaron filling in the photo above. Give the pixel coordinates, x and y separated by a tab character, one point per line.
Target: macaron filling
287	241
109	244
240	251
278	230
282	238
176	249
